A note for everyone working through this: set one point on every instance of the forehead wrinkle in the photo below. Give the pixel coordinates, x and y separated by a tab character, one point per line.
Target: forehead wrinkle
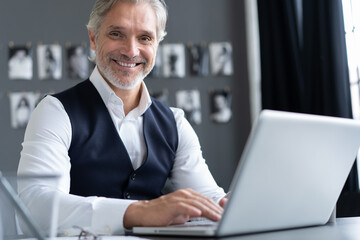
137	17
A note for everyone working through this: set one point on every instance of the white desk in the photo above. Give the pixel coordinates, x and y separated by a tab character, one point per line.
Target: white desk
343	229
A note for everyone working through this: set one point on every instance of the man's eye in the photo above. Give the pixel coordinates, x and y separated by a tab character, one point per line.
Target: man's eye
146	39
114	34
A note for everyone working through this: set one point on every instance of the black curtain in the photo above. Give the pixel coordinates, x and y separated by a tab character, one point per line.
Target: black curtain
304	67
282	86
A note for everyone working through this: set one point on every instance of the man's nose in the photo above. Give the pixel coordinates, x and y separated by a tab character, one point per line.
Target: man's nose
131	48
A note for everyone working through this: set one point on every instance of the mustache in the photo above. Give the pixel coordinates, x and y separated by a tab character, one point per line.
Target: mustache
122	57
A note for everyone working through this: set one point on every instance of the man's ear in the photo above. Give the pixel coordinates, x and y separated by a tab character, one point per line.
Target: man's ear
92	38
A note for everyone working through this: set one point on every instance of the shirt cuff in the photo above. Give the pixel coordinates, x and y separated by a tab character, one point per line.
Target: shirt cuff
108	215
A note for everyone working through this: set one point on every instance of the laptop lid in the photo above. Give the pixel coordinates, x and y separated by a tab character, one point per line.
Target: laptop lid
290	174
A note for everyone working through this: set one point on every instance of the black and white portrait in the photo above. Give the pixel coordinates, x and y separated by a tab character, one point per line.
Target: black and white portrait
78	63
49	61
21	105
162	96
221	58
157	69
220	102
189	101
198	59
20	64
174	60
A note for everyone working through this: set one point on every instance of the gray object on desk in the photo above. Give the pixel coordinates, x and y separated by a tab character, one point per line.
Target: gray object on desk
290	175
21	209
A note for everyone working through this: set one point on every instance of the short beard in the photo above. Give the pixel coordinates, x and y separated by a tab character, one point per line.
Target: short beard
115	81
110	75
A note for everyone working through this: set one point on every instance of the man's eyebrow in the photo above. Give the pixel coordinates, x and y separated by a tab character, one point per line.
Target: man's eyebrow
150	33
113	27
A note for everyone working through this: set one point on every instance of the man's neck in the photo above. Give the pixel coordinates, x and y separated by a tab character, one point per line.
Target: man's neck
130	98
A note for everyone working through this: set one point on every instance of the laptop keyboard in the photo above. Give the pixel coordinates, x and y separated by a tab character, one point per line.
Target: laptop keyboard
200	222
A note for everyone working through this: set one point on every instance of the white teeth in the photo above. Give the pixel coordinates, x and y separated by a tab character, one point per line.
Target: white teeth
126	64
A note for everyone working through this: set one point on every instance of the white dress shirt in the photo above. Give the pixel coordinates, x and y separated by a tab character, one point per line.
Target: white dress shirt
45	151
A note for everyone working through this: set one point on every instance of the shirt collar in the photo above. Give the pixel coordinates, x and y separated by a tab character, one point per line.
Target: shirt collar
109	96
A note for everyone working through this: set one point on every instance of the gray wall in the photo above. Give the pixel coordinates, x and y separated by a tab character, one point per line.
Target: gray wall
62	21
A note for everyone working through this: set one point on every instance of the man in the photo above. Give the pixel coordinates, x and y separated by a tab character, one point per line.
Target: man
113	145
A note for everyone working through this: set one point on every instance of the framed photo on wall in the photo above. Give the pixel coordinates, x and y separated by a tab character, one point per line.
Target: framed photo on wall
220	103
189	101
221	58
77	62
20	63
198	59
162	96
21	106
173	60
49	61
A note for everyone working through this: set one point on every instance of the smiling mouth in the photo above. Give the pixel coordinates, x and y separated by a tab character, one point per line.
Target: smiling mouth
128	65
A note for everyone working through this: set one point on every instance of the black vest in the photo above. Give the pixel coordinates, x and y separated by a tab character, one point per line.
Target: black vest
100	164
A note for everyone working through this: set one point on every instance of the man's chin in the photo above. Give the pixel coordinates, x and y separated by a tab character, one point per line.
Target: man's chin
126	86
124	81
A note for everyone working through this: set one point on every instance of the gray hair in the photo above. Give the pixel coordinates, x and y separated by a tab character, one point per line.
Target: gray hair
101	8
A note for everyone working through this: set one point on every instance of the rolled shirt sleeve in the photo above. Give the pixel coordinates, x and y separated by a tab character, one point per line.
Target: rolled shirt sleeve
190	169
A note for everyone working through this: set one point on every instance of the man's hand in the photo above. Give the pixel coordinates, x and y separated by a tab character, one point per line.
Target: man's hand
224	200
174	208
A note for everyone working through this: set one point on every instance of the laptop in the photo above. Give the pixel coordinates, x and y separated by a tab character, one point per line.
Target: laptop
290	175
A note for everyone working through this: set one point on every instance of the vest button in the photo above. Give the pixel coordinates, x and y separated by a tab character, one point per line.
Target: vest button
127	195
133	176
